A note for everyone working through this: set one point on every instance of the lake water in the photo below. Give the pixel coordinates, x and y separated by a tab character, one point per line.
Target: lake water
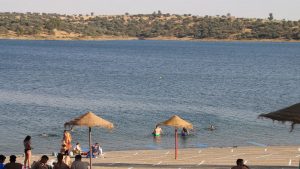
136	84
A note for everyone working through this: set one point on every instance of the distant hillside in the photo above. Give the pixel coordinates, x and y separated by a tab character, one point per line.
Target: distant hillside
144	26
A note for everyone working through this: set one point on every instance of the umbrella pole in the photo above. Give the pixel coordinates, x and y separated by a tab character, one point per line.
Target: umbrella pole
176	144
90	140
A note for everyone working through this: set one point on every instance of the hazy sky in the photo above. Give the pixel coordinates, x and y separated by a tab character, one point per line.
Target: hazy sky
281	9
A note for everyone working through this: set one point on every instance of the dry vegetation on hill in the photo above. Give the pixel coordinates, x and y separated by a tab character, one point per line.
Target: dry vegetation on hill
144	26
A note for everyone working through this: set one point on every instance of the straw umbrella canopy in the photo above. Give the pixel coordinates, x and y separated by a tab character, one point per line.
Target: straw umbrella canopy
177	122
90	120
288	114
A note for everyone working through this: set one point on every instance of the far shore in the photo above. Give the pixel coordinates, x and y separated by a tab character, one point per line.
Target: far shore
269	157
108	38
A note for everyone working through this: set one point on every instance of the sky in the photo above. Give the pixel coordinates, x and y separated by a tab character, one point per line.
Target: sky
281	9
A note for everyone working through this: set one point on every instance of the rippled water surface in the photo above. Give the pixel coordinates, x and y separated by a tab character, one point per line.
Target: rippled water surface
136	84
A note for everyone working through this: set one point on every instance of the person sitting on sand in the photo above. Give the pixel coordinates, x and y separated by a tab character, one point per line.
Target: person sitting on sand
97	150
42	164
77	149
78	164
184	132
240	165
2	159
12	163
157	131
60	164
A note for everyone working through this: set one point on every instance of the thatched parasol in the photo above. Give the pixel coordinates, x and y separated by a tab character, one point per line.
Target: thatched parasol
290	114
90	120
177	122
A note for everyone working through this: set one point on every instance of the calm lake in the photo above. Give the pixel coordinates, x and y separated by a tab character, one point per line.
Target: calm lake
136	84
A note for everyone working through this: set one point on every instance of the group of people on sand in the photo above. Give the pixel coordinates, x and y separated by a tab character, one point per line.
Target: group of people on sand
12	159
59	163
12	164
67	148
63	158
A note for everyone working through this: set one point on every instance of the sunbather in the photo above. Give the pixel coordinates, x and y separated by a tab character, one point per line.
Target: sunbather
77	149
96	150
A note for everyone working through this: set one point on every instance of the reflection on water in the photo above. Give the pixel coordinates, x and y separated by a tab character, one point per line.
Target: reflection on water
157	139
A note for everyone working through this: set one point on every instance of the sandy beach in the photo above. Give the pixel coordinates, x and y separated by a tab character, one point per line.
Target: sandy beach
272	157
66	37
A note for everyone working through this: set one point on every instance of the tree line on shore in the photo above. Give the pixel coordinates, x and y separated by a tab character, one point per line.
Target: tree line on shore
152	25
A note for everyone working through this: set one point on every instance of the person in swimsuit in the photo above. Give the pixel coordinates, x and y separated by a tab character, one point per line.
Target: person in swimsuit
27	151
67	139
157	131
77	149
184	132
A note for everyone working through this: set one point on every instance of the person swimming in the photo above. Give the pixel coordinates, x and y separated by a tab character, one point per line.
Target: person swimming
211	127
157	131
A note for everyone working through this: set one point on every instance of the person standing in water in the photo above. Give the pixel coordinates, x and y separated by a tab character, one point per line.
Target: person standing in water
157	131
184	132
27	151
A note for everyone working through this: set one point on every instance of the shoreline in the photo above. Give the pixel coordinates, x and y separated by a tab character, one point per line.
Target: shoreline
210	158
113	38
